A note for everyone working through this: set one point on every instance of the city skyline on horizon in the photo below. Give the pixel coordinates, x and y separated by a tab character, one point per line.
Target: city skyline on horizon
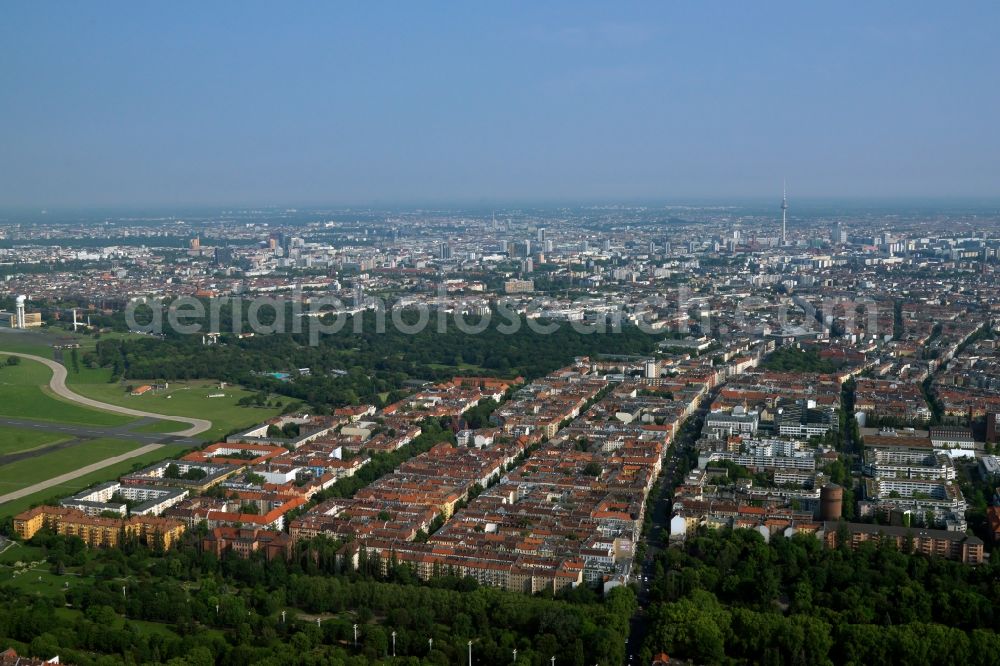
798	207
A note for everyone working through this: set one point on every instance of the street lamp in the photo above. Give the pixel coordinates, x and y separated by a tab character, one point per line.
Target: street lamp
394	644
355	635
553	661
470	653
430	645
282	617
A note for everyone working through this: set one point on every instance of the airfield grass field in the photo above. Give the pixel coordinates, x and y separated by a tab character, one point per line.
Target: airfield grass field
24	394
183	398
15	440
33	470
109	473
189	398
158	427
34	342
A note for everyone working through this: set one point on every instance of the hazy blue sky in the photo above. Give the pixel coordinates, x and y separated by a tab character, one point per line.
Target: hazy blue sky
132	103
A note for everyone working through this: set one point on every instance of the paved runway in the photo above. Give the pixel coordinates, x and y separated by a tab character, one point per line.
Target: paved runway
69	476
81	434
93	432
58	386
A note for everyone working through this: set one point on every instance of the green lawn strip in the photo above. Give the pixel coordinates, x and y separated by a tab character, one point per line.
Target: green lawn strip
41	341
160	427
39	580
184	398
86	375
31	342
24	393
108	473
33	470
13	440
19	552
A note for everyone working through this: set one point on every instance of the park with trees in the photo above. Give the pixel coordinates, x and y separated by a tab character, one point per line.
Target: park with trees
727	597
374	366
187	606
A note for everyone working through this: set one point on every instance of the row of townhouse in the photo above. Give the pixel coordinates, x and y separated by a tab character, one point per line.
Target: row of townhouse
263	510
509	571
570	513
405	503
357	518
883	398
450	399
692	514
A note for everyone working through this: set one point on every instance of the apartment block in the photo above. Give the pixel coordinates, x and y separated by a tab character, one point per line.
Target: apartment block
97	531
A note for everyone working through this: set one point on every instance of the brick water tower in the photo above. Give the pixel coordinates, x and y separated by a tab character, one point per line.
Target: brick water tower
831	502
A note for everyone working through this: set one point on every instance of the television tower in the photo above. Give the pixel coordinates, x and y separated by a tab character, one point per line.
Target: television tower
784	210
